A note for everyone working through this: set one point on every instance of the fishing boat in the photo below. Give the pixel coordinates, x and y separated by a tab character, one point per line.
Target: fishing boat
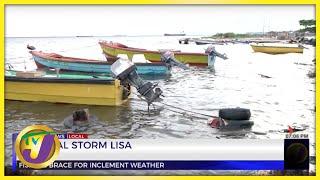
201	42
204	42
274	48
113	49
64	88
57	61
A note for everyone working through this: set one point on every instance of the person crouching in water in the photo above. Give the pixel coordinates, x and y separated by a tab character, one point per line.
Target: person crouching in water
78	121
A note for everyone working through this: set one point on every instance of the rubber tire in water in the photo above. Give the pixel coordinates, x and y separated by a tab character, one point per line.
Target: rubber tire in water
235	114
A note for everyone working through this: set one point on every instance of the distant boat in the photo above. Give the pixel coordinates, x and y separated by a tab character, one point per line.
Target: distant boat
64	88
201	42
174	34
57	61
271	48
113	49
204	42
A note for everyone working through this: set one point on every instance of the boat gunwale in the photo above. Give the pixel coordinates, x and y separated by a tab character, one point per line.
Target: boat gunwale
84	61
131	49
60	80
263	46
44	55
158	62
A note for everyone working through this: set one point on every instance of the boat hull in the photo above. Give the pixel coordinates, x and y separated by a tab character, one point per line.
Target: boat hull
97	92
113	50
96	67
201	43
276	50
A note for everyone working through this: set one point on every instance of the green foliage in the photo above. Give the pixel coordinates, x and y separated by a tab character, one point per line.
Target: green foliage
231	35
309	25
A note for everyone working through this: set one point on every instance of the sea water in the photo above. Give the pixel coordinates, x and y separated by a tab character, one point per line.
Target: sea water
285	99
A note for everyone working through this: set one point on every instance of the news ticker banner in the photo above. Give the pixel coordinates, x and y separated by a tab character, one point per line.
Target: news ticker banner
78	152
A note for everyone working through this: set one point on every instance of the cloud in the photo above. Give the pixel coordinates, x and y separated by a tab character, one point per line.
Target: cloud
104	20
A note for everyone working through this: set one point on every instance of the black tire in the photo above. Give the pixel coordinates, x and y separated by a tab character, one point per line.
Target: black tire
235	114
239	124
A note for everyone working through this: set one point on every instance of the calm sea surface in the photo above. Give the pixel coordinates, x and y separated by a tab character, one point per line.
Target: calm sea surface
287	98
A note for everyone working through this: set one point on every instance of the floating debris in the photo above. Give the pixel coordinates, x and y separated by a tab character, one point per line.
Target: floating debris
292	129
303	64
311	74
264	76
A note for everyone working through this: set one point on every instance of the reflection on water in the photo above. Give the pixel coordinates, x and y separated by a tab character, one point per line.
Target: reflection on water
287	98
53	114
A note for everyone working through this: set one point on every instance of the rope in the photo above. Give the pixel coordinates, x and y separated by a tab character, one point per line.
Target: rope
186	111
184	114
172	110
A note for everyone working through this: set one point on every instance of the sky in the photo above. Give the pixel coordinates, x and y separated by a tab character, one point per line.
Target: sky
107	20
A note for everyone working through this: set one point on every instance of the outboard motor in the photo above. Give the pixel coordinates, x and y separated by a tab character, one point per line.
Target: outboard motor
212	54
168	58
31	47
125	71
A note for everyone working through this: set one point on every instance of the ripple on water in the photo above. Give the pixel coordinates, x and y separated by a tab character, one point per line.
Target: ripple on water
286	98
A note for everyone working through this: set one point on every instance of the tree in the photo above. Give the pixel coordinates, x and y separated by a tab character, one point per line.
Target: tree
309	25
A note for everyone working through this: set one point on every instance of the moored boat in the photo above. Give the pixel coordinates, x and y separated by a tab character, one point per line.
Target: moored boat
204	42
57	61
113	49
201	42
271	48
64	88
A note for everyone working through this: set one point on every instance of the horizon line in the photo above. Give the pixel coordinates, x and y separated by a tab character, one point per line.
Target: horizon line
124	35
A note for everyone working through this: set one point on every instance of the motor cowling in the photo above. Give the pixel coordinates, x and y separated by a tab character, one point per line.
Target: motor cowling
168	58
125	71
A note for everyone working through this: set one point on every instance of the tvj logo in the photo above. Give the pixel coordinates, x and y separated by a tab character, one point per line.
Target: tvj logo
37	146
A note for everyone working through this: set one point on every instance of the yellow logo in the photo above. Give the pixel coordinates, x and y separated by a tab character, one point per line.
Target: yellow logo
37	146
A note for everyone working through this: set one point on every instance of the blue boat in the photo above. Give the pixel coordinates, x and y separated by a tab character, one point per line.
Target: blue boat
57	61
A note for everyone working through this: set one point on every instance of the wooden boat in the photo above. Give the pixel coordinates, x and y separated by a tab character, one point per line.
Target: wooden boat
112	49
204	42
57	61
270	48
65	88
201	42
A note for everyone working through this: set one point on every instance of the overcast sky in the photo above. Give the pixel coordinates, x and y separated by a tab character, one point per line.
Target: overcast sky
29	21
